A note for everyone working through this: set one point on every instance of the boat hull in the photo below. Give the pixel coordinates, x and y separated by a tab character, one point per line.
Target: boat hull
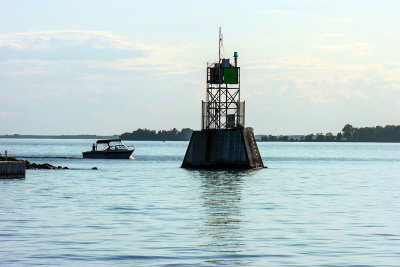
125	154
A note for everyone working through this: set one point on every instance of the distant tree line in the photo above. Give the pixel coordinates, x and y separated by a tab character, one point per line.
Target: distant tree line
389	133
163	135
76	136
281	138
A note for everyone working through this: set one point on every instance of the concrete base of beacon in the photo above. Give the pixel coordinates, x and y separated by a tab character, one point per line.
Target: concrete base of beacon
222	149
12	169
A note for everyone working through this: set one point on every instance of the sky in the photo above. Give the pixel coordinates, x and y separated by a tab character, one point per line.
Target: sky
109	67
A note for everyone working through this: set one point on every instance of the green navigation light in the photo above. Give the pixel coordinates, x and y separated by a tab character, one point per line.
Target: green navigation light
235	54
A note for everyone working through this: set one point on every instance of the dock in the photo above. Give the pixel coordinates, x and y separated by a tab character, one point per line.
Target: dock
12	169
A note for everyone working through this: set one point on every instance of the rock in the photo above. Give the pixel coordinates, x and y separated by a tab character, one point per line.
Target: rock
65	168
47	166
44	166
94	168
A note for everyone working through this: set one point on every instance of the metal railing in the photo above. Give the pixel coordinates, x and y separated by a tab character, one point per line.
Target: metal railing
214	117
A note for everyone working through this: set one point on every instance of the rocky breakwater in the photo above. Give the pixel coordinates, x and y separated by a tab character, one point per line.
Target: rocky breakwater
34	166
44	166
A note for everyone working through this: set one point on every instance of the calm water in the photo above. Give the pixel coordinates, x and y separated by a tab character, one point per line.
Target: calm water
317	204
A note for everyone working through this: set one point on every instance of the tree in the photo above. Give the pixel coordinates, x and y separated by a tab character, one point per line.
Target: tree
329	137
348	132
339	137
309	138
320	137
163	135
272	138
283	138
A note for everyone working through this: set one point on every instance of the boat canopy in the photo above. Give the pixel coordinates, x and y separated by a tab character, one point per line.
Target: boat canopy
107	141
109	144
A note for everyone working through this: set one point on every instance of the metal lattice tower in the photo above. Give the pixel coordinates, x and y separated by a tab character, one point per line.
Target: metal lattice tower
222	108
223	142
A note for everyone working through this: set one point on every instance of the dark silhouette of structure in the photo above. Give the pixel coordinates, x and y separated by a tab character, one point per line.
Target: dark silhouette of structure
222	141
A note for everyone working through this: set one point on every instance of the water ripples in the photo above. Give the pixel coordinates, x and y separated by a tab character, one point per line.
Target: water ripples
317	205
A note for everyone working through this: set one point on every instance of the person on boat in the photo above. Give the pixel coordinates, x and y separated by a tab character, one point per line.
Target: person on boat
93	147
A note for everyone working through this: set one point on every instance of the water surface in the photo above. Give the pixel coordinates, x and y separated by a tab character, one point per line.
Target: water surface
318	204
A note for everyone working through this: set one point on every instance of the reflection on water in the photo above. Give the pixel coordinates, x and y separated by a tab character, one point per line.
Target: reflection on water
221	193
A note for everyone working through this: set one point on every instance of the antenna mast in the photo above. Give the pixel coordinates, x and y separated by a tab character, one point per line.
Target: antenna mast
219	45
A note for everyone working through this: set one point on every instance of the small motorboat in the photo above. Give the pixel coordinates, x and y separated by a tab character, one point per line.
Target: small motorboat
109	149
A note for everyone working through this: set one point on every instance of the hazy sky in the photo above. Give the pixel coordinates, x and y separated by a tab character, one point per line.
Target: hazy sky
108	67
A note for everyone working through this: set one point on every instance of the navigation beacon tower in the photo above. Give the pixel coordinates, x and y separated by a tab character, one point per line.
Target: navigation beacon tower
223	141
